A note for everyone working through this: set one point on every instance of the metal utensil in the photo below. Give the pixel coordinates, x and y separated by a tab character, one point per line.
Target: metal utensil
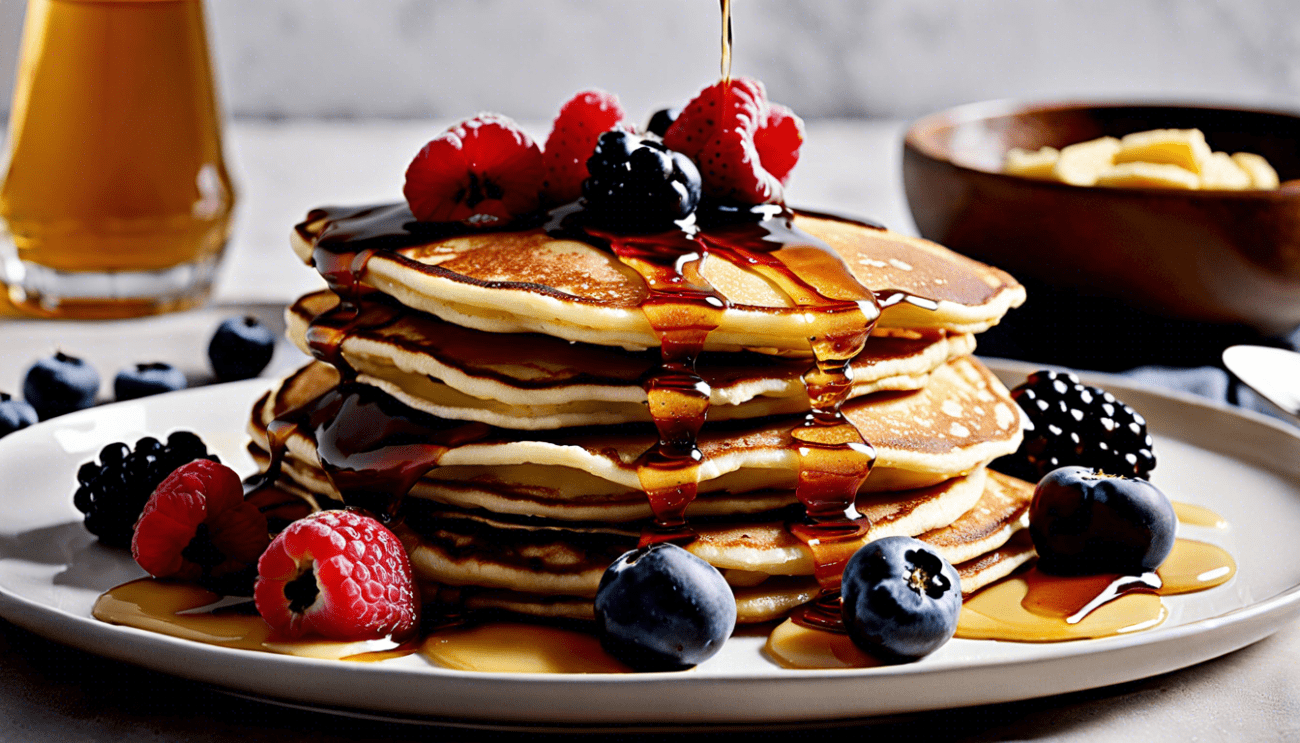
1272	372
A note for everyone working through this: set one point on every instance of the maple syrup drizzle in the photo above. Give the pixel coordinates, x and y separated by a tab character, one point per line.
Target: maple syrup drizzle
726	40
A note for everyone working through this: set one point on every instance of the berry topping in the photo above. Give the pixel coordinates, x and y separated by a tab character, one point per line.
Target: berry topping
573	138
660	608
1071	424
638	185
14	414
901	599
142	380
483	171
338	574
1086	523
197	525
240	349
744	146
113	492
662	119
60	384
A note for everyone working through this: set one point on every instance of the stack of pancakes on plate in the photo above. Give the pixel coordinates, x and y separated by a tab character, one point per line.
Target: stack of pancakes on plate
507	399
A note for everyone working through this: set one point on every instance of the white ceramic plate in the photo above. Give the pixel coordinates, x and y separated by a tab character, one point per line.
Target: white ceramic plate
1243	466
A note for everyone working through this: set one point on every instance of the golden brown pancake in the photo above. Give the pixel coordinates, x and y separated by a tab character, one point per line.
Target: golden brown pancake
530	281
533	381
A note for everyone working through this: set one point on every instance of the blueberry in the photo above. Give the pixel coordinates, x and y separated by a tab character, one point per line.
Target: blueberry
662	119
60	384
240	349
637	184
1087	523
142	380
14	414
901	599
660	608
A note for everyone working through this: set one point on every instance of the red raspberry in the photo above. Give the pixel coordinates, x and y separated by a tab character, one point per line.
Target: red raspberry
482	171
197	525
573	138
338	574
744	146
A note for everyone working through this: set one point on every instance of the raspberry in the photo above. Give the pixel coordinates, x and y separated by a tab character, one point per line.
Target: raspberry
113	492
483	171
197	525
744	146
1071	424
638	185
338	574
573	138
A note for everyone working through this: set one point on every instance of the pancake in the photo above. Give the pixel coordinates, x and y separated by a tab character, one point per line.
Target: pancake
535	382
961	420
534	281
549	569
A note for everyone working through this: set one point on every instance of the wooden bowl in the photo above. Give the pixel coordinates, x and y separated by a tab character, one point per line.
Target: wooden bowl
1205	256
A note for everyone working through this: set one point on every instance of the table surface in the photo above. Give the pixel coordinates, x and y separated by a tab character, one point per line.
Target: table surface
49	692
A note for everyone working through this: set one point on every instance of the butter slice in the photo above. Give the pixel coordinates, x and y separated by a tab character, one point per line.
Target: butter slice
1185	148
1261	173
1222	173
1148	175
1031	164
1080	164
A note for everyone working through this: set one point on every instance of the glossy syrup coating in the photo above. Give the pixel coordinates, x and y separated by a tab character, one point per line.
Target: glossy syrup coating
1086	523
901	599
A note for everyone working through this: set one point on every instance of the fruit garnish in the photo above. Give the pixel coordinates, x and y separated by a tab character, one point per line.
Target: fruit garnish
745	147
900	599
197	525
639	185
112	493
1085	522
240	348
660	121
15	415
1071	424
338	574
60	384
483	171
660	608
586	115
143	380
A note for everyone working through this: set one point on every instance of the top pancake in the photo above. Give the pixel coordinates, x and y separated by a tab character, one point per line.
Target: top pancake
532	281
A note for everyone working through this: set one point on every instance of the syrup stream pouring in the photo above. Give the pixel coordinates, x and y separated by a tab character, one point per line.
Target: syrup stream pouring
1272	372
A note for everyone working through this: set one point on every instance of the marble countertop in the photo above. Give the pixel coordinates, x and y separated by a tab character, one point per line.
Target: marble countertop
49	692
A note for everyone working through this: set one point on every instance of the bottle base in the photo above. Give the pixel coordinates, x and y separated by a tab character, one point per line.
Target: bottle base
40	291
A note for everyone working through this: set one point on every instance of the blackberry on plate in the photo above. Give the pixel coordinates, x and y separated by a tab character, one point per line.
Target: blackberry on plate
1072	424
636	184
112	492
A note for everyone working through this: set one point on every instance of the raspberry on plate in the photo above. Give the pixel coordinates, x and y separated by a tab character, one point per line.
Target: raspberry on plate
197	525
338	574
483	171
745	147
573	138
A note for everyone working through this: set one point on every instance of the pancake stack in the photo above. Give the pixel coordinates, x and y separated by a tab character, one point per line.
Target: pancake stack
770	391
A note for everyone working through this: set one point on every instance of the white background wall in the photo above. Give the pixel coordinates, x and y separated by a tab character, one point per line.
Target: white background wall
844	58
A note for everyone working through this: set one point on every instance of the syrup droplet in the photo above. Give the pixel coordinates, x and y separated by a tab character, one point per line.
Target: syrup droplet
517	647
1194	515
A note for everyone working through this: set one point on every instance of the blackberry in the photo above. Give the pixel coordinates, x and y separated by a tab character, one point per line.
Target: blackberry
637	184
1072	424
662	119
112	492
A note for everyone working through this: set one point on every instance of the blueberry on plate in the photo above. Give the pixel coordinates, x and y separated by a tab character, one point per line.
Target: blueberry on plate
662	119
1086	523
14	414
660	608
240	349
637	184
143	380
901	599
60	384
